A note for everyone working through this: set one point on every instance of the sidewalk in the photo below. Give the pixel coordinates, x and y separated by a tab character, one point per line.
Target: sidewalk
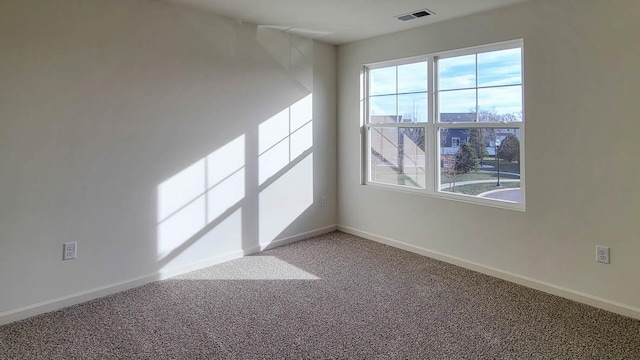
460	183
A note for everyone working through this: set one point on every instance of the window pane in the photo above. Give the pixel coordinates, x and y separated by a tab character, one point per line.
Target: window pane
413	107
382	109
502	67
458	105
457	72
397	156
382	81
412	77
468	163
506	102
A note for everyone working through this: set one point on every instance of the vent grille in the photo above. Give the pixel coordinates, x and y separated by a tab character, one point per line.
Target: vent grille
415	14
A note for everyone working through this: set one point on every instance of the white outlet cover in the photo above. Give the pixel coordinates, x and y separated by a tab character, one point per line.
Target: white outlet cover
602	254
70	250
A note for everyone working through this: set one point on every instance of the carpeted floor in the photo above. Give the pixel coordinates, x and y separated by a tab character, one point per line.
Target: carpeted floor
330	297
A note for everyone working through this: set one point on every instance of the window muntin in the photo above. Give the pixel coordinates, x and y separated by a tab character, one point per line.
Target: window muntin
397	156
398	93
478	100
483	175
489	81
501	67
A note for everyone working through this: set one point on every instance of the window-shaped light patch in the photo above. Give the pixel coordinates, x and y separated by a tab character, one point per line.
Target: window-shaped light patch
284	137
283	201
225	237
273	140
225	178
301	140
181	226
252	268
181	189
200	194
273	130
301	112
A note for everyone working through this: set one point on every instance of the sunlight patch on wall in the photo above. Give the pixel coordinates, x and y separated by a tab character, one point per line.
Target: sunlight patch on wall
284	137
225	178
181	226
224	238
273	145
251	268
199	195
282	202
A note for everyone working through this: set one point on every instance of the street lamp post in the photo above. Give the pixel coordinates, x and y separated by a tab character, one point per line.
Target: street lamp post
498	159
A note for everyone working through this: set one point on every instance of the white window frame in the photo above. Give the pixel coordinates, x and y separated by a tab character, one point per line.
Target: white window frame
433	126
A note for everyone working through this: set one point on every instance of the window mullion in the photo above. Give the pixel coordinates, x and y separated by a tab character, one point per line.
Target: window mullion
430	128
364	136
383	141
397	98
477	107
471	125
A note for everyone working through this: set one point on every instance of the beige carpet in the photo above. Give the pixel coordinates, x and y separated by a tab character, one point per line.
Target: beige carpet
331	297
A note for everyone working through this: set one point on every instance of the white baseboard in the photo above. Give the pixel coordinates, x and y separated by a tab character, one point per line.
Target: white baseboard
24	312
291	239
550	288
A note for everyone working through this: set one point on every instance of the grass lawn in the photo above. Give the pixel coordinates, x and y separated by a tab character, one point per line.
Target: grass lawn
475	189
414	177
444	179
512	167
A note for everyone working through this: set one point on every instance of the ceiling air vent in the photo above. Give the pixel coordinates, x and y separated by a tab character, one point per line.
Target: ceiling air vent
415	14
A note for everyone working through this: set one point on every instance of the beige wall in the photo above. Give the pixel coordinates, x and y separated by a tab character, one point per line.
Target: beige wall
101	102
582	87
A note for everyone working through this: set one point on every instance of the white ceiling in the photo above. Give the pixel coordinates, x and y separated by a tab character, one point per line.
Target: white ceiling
342	21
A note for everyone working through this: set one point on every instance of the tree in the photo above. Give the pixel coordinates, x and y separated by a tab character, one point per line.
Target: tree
415	134
509	149
466	159
492	116
477	141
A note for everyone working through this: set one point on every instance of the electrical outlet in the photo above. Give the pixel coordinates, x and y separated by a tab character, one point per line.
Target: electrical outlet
70	251
602	254
323	201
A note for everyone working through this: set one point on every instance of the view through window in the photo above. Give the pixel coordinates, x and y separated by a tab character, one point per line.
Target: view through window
450	124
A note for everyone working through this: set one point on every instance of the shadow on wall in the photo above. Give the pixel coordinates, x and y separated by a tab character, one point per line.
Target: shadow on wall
200	208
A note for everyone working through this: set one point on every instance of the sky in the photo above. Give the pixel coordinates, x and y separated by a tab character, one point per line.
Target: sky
494	77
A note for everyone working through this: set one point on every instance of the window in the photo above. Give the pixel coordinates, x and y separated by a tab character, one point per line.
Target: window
397	102
449	124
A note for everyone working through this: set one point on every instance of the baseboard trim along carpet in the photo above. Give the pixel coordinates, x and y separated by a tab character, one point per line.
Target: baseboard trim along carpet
24	312
595	301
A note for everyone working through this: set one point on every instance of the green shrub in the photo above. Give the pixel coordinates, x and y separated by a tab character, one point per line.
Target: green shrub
466	159
509	150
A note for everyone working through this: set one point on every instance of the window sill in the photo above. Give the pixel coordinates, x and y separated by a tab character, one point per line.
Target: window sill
468	199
